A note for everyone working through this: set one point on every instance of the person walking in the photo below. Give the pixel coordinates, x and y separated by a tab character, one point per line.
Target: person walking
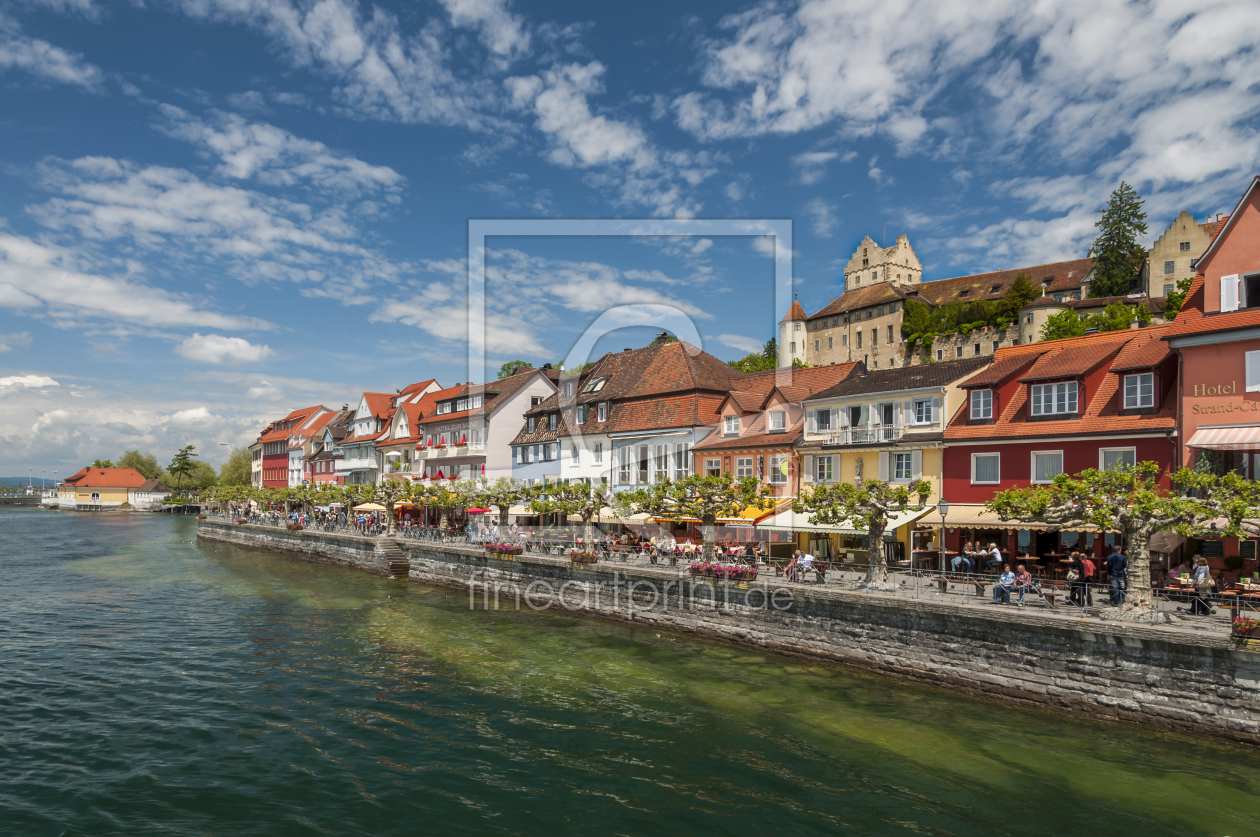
1203	585
1117	566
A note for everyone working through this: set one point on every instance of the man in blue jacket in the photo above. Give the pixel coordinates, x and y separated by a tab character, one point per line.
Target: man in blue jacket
1117	564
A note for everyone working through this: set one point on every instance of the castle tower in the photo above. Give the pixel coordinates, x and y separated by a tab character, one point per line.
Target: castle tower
872	264
792	335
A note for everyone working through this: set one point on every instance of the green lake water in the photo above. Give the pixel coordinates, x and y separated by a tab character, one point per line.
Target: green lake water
154	685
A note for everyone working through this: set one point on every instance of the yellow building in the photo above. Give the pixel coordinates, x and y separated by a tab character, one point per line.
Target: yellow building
94	489
887	425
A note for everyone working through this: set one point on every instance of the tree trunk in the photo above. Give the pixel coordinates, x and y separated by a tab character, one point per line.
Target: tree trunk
389	515
588	534
503	520
709	528
442	522
1138	574
877	569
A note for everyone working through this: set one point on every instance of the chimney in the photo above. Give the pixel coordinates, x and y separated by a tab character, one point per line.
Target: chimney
662	338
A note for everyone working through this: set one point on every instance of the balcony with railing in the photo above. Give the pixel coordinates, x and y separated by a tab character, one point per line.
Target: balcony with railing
874	434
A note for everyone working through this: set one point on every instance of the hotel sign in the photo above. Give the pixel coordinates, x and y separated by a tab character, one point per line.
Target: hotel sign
1202	390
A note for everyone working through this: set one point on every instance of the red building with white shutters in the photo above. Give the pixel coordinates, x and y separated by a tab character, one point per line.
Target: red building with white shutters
1061	406
275	441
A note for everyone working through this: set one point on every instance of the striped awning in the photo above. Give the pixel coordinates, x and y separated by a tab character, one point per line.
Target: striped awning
966	516
790	521
1239	437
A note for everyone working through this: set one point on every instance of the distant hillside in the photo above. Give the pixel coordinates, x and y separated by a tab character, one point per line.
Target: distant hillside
22	480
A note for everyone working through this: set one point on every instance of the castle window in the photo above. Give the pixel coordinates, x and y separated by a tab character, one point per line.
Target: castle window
866	262
1185	245
1170	267
880	311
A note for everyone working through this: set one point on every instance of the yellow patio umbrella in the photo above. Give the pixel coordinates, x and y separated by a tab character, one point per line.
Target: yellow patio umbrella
370	507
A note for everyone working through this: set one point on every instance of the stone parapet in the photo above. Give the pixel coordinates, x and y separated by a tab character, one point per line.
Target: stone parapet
1104	670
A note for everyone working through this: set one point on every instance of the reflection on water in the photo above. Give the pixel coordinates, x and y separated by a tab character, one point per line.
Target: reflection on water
152	684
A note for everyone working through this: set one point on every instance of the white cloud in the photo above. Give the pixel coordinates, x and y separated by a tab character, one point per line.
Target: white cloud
215	348
1169	104
812	165
259	237
740	342
275	156
824	221
42	59
379	71
29	381
20	339
55	283
502	32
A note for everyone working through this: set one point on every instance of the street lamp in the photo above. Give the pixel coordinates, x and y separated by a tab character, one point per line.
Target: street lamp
942	508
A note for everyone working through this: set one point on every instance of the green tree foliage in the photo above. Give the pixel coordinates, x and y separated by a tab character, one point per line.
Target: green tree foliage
201	475
701	498
1117	253
921	323
1176	299
1115	317
763	361
502	494
182	465
145	463
576	499
868	505
236	471
508	369
1134	502
102	463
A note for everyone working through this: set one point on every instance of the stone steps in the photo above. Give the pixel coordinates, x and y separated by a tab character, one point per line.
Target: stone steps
395	559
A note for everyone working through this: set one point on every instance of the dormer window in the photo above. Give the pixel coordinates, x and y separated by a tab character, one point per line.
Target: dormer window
461	405
476	402
531	424
581	414
568	390
1139	391
965	292
981	404
1053	399
603	411
777	421
551	421
731	426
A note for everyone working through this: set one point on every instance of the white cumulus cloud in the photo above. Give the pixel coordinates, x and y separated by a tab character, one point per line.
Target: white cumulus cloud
215	348
31	381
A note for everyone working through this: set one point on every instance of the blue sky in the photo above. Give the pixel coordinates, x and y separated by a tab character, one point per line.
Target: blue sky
214	211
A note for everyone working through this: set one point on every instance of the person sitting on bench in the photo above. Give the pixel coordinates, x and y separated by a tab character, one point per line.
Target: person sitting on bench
1005	586
1025	582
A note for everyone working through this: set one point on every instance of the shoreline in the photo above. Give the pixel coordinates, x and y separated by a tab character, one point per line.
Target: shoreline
1110	671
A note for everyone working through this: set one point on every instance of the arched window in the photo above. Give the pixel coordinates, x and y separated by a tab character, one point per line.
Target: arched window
96	496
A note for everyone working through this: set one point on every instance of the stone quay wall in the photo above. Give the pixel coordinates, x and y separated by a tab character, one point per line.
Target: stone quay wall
1104	670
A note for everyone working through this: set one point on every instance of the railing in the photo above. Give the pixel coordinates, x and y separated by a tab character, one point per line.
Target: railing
360	464
873	434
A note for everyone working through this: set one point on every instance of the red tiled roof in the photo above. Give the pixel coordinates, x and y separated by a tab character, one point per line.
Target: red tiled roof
494	393
1142	355
1005	367
805	382
106	478
796	312
1072	361
1101	415
380	403
755	436
1062	276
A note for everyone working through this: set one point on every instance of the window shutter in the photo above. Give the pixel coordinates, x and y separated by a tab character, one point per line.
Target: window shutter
883	467
1229	292
907	412
1253	371
807	467
916	464
936	410
813	421
844	418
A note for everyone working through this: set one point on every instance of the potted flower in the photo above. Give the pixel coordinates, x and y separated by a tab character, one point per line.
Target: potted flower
503	550
1245	627
578	556
293	527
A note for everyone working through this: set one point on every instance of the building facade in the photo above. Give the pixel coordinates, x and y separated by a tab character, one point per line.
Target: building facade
1172	256
1100	401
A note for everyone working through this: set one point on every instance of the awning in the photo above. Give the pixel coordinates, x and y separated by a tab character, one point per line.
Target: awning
1241	437
790	521
750	515
478	511
393	454
979	517
369	507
